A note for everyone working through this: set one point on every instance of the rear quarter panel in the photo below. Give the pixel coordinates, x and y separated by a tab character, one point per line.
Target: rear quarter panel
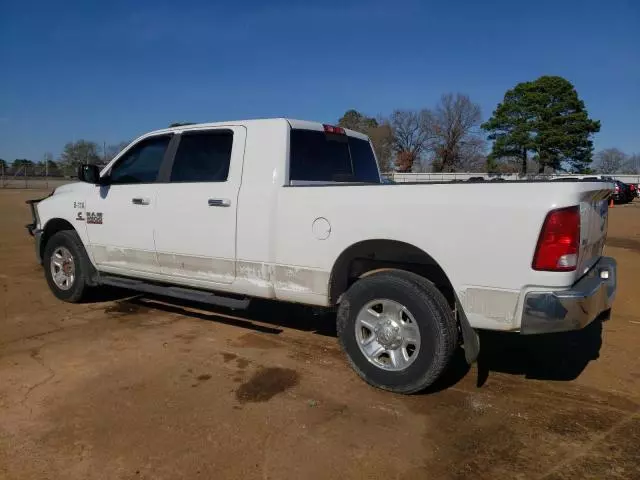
483	236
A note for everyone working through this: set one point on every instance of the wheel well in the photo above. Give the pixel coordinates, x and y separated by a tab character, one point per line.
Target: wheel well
52	227
367	257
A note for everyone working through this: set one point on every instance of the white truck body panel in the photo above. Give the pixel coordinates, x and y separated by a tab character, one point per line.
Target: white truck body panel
281	241
487	256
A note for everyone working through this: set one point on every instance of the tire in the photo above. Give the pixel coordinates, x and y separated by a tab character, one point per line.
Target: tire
62	242
424	305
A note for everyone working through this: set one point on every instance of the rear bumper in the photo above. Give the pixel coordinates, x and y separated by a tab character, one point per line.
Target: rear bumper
572	309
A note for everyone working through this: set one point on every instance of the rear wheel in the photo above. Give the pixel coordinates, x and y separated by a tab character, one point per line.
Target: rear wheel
397	330
66	266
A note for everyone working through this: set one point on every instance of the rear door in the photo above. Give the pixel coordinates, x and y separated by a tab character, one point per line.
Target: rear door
195	228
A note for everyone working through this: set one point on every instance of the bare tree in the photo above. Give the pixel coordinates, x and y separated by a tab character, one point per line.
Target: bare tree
610	160
112	150
472	156
454	121
382	139
378	130
412	136
632	164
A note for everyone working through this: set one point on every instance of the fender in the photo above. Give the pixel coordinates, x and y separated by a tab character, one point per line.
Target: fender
63	209
67	204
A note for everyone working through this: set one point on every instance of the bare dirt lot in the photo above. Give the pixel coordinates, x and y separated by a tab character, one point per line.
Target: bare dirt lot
138	387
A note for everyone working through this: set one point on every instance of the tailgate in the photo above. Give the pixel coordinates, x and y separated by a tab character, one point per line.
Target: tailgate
594	214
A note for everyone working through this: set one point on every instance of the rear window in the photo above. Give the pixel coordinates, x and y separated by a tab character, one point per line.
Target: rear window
327	157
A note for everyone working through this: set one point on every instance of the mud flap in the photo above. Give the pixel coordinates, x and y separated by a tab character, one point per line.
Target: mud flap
470	339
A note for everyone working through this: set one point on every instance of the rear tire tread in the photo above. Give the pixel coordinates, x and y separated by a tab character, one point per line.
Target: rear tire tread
435	316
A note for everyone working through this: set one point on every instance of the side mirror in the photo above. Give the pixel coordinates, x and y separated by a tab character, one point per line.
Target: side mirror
89	173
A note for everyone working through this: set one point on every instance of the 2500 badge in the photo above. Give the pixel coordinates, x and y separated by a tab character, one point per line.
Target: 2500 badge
94	217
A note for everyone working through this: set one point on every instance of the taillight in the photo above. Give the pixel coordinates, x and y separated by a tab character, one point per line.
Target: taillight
617	188
559	241
333	129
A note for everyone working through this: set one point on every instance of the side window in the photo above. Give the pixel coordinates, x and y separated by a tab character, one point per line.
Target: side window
203	157
142	162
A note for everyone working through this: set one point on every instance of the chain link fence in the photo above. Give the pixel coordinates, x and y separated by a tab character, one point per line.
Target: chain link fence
36	176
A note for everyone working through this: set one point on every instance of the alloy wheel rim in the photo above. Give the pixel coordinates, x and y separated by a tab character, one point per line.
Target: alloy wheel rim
63	268
387	334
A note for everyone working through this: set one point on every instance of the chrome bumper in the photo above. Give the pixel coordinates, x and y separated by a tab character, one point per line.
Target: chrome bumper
572	309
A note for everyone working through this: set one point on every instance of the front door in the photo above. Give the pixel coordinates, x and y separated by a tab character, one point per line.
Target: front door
195	228
120	214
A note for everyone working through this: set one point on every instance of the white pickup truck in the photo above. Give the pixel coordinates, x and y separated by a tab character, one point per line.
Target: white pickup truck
296	211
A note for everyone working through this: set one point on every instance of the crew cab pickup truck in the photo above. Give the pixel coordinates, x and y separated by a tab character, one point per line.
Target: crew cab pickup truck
296	211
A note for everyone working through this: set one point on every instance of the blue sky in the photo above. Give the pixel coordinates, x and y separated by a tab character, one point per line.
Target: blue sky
109	71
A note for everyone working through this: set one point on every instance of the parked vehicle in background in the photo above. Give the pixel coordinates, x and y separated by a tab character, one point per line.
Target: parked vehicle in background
622	192
296	211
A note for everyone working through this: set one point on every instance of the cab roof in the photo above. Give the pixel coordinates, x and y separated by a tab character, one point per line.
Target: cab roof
293	123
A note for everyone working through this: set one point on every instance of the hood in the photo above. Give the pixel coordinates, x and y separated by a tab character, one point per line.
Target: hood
70	187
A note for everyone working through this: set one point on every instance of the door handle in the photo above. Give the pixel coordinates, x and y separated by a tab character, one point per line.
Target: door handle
219	202
140	201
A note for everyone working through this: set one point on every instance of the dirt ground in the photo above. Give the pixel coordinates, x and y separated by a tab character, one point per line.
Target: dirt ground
138	387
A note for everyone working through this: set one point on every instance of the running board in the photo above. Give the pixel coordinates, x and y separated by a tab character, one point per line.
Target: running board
182	293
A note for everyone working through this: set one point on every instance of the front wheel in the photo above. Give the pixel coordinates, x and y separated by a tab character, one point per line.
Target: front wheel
397	330
66	266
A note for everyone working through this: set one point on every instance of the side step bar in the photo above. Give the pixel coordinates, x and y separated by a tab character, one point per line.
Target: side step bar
183	293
